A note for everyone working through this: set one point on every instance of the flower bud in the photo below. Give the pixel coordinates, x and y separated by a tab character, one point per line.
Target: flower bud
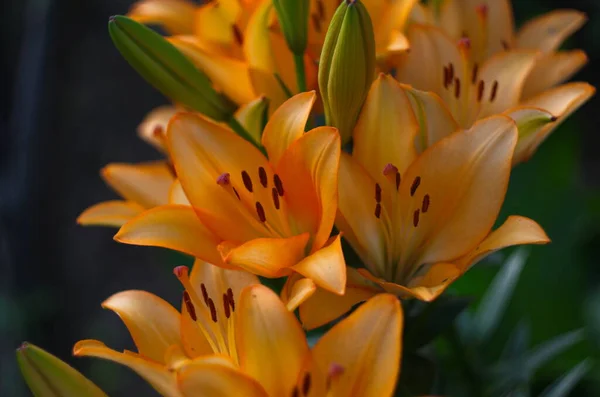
167	69
46	375
293	19
253	117
347	66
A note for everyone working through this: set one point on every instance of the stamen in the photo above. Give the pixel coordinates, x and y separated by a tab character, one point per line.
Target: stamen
425	205
189	305
262	175
391	169
226	306
480	89
475	73
275	197
230	299
378	210
450	72
494	91
204	293
416	218
306	384
237	34
278	184
247	181
446	77
505	45
320	9
224	179
213	310
377	193
295	392
236	193
316	22
415	185
457	88
335	371
260	211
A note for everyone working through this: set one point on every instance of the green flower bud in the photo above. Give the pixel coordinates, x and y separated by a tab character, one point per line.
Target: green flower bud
347	66
253	117
47	376
167	69
293	19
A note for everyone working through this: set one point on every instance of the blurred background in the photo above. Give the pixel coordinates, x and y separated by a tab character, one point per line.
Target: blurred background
70	104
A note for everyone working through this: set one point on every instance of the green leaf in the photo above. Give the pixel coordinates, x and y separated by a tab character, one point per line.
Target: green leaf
495	300
565	384
48	376
548	350
517	344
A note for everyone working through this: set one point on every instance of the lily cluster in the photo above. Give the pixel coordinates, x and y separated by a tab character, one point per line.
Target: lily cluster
426	113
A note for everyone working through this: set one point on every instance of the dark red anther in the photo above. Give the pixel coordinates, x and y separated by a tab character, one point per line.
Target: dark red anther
247	181
275	197
450	73
236	193
262	176
416	218
230	298
425	205
378	210
260	211
316	22
505	45
398	180
306	384
226	307
278	184
213	310
189	305
494	91
377	193
237	34
480	89
204	293
457	88
415	185
475	73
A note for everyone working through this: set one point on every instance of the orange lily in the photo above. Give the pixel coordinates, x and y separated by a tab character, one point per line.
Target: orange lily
164	338
473	91
270	217
419	218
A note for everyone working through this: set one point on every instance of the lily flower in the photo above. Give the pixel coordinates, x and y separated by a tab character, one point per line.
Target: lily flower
419	218
272	217
473	91
167	339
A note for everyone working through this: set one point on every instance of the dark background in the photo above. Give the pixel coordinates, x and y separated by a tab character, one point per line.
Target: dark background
70	105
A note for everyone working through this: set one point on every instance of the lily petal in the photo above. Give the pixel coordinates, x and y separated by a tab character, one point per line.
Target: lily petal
153	128
548	31
365	347
517	230
152	322
271	344
451	195
326	267
177	195
207	379
154	373
110	213
296	291
287	124
386	129
176	16
268	257
253	116
147	184
175	227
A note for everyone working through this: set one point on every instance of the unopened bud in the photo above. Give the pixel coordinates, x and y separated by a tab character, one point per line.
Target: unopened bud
347	66
293	19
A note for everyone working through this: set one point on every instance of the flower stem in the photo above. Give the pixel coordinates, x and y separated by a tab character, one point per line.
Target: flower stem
241	131
300	73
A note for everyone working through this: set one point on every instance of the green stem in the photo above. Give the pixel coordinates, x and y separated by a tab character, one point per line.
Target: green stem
300	73
241	131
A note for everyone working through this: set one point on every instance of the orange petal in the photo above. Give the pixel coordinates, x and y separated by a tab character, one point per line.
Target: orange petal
366	347
296	291
147	184
268	257
109	213
271	344
176	16
154	373
516	230
175	227
153	128
177	195
548	31
287	124
450	197
152	322
326	267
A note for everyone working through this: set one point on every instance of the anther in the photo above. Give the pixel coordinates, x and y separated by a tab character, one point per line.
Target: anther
464	42
213	310
260	211
247	181
237	34
262	175
457	88
446	77
378	210
236	193
189	305
391	169
230	298
226	306
505	45
425	205
278	184
475	73
295	392
316	22
377	193
320	9
204	293
335	371
415	185
480	89
306	384
275	197
416	218
224	179
450	73
494	91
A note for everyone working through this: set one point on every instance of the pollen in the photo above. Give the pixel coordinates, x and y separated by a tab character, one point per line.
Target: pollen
247	181
415	186
262	176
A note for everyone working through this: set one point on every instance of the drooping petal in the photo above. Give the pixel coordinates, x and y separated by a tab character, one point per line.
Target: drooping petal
153	129
203	151
361	354
175	227
271	344
146	183
548	31
154	373
204	378
553	69
268	257
287	124
176	16
110	213
309	171
324	306
152	322
450	197
386	129
297	290
516	230
326	267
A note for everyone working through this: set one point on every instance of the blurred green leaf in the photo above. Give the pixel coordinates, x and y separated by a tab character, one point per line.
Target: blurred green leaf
517	344
565	384
417	376
548	350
